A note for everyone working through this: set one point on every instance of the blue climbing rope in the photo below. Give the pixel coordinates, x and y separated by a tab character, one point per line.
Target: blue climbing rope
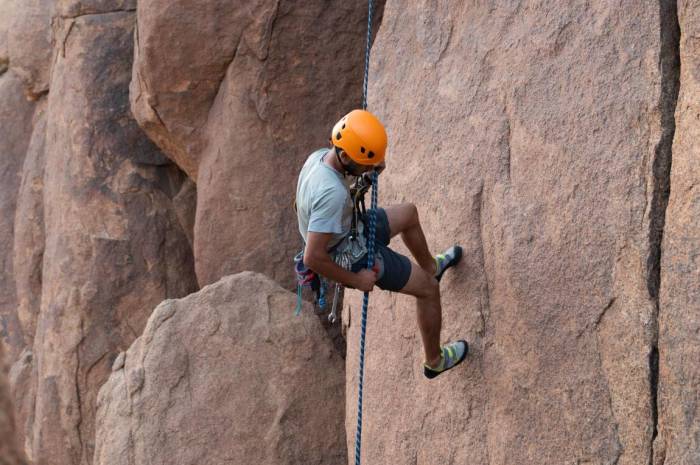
369	42
370	254
363	324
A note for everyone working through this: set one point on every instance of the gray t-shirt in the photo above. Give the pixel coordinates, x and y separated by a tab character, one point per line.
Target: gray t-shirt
323	199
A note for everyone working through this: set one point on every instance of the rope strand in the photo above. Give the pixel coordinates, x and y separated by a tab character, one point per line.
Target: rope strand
367	48
363	324
370	253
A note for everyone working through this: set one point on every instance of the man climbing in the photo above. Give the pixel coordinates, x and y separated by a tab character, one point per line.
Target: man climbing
325	214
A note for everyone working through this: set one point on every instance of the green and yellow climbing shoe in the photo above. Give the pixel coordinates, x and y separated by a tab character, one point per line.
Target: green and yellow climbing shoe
448	258
452	355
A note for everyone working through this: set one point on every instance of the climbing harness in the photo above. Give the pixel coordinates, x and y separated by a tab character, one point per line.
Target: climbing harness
353	246
346	252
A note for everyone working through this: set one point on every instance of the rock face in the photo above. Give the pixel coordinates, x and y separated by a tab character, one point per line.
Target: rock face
259	99
115	243
532	133
97	241
226	375
678	442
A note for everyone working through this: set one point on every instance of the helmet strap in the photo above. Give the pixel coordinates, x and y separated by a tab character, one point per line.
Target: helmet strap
346	168
352	168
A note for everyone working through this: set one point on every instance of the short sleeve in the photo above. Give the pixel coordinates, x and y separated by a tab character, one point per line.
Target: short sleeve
326	214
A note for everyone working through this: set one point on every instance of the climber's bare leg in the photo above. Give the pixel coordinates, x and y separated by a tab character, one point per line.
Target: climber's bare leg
403	219
425	288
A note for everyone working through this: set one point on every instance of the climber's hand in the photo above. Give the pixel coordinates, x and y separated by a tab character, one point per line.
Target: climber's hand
365	280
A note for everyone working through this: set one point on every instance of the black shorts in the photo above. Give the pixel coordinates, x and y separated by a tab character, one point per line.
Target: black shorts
394	269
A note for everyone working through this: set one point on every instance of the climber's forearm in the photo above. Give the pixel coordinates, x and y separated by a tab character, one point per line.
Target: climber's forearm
322	264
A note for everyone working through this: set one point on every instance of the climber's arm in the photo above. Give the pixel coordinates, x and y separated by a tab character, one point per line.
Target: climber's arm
316	257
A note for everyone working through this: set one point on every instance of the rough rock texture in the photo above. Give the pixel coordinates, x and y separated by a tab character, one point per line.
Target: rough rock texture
538	134
241	114
29	42
75	8
678	442
114	247
22	384
10	453
27	263
29	228
529	132
15	131
5	18
226	375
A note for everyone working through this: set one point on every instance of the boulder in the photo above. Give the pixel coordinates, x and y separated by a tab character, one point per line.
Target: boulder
225	375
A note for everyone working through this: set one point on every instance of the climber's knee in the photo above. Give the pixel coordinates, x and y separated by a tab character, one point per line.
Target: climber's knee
401	217
420	284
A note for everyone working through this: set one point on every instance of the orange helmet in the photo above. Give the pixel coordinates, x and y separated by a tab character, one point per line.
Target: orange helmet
362	136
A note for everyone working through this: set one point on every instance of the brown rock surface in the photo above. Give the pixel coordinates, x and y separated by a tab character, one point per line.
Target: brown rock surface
536	134
10	453
225	375
114	247
27	265
4	27
29	228
528	133
29	43
75	8
22	387
242	113
678	442
15	132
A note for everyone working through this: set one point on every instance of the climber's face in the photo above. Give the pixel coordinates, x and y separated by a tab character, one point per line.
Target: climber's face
353	168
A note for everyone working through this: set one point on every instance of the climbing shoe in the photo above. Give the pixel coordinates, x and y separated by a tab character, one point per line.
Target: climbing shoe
448	258
452	355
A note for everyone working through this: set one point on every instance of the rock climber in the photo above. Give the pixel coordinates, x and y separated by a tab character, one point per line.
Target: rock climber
325	210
